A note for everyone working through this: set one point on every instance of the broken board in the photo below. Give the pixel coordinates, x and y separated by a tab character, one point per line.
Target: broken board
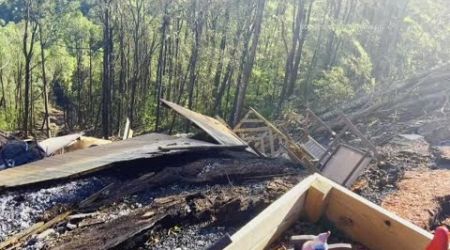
93	159
316	197
217	130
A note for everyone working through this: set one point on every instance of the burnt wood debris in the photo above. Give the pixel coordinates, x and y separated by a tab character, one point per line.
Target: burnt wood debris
161	191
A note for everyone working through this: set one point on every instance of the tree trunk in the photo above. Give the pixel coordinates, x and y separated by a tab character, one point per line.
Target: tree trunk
3	102
90	97
295	55
79	83
107	70
160	73
248	65
198	30
218	90
45	91
28	54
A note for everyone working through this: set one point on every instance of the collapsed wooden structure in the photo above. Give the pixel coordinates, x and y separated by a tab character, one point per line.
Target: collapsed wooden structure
267	139
338	161
93	159
317	197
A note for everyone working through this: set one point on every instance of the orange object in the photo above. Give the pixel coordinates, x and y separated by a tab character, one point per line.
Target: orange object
440	239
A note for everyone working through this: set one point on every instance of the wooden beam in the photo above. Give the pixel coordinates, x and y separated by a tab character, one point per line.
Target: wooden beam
270	125
369	224
301	155
320	121
251	130
316	201
13	240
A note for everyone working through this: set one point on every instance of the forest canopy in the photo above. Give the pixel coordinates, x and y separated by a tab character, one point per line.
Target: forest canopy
100	61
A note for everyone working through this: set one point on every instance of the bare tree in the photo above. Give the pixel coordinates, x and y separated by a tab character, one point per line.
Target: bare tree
107	68
28	46
248	64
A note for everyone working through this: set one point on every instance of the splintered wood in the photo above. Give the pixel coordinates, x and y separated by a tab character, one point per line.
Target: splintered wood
419	196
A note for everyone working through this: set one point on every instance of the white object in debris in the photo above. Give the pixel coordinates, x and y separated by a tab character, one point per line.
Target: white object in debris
51	145
46	233
71	226
411	137
319	243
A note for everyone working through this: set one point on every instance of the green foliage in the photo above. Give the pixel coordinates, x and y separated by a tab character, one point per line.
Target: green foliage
333	87
353	48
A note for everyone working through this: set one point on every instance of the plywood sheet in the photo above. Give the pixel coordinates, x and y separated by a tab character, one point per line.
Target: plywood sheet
92	159
213	127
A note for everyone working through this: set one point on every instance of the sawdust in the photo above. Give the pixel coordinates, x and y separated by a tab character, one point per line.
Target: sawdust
418	196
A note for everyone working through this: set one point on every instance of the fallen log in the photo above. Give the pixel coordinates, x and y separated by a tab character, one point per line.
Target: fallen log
393	93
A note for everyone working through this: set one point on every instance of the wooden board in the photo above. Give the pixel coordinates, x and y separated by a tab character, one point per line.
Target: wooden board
92	159
273	221
316	197
218	131
370	224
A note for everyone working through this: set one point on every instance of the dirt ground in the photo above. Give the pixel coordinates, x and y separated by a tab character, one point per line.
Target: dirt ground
420	197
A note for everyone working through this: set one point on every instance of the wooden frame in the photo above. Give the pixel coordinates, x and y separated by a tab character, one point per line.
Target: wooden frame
316	197
267	139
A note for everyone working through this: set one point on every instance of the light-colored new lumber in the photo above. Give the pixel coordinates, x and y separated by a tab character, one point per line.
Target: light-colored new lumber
273	221
370	224
316	196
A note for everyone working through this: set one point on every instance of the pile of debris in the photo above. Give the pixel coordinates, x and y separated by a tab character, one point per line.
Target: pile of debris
153	191
158	191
